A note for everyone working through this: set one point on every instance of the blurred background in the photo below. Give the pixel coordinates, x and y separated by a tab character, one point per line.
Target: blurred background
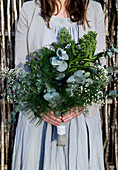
9	13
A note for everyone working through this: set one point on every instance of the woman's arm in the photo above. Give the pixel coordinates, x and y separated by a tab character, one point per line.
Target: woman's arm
21	38
101	36
21	53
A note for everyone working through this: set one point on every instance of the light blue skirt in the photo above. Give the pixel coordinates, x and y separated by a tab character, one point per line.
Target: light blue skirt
35	147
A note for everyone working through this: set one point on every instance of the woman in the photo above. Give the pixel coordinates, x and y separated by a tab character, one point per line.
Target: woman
35	147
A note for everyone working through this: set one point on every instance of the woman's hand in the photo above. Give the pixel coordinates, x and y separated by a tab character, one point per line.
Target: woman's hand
74	112
51	118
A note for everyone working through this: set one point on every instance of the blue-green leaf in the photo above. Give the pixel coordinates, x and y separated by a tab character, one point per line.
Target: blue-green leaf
109	53
87	74
71	79
62	54
51	96
79	73
113	92
114	49
13	113
62	67
89	80
60	76
55	61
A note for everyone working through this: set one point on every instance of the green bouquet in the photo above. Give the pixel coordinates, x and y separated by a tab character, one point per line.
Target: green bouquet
58	77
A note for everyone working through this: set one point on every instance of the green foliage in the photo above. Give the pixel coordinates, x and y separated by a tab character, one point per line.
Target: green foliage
88	44
113	93
65	75
64	37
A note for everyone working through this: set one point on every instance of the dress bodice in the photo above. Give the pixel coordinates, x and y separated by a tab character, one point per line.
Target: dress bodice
56	23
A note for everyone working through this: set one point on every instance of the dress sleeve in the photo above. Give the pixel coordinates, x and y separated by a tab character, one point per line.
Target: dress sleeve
21	51
101	36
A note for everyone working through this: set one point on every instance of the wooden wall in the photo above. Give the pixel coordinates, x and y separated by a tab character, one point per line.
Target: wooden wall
9	12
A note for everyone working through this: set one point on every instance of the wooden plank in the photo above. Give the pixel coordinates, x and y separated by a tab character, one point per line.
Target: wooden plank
15	13
116	146
20	4
106	134
116	132
3	64
106	17
9	60
9	44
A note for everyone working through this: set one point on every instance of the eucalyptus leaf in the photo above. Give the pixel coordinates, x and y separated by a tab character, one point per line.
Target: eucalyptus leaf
62	67
14	87
87	85
14	120
51	96
71	79
110	78
60	76
114	49
109	53
13	113
8	123
7	128
18	108
62	54
55	61
79	73
89	80
110	69
52	105
78	79
48	96
87	74
56	96
113	93
105	93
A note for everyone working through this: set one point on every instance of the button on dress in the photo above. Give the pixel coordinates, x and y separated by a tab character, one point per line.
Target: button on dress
35	147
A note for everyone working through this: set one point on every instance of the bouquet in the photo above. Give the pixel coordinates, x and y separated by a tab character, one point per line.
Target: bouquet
57	78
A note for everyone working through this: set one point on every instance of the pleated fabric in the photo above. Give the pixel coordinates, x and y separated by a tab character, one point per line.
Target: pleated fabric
35	147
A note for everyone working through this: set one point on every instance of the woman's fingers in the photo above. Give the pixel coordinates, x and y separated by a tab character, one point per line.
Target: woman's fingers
51	118
72	114
68	118
50	121
74	110
52	113
54	118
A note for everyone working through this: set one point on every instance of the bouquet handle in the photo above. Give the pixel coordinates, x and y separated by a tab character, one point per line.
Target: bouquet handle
61	134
